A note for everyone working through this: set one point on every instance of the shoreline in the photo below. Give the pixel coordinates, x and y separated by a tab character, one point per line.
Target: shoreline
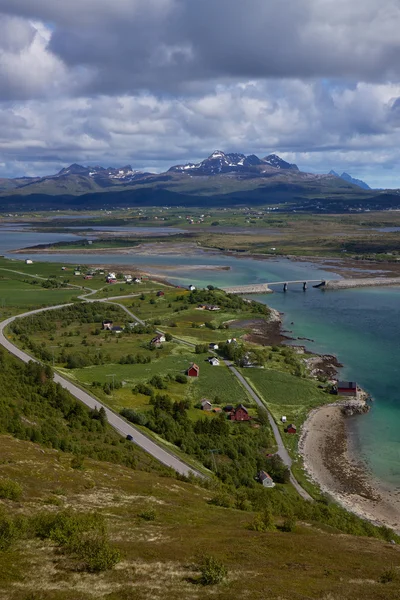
332	464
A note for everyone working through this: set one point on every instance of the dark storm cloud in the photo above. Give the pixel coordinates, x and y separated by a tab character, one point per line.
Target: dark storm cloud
164	45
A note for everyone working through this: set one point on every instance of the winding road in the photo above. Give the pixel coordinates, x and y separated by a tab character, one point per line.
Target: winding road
151	447
124	428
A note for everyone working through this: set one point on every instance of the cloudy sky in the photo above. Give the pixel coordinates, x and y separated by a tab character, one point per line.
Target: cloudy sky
158	82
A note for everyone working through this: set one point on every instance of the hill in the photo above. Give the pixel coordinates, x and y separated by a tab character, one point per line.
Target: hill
79	528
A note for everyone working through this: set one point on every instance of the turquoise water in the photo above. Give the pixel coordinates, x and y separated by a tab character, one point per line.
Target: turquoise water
360	326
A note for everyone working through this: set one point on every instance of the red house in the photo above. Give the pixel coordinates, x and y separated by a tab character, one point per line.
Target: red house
347	388
240	413
160	293
193	371
291	428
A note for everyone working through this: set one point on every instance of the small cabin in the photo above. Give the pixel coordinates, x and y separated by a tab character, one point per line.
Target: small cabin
283	419
107	324
191	288
193	370
158	340
160	293
347	388
213	361
265	479
206	405
29	261
240	413
291	428
213	346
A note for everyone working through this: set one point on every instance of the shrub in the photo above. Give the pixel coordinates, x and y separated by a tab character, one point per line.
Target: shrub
289	524
10	490
10	530
148	515
388	575
180	378
222	499
212	571
95	551
268	519
257	524
77	462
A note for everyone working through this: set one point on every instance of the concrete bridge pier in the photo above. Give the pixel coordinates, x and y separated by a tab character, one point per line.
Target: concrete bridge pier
285	287
304	286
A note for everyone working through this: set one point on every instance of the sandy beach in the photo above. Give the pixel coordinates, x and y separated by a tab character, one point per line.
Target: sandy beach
329	462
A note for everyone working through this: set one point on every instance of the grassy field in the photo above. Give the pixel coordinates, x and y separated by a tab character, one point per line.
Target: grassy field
161	557
285	394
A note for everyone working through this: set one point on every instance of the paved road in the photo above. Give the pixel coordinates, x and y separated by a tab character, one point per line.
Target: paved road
282	452
124	428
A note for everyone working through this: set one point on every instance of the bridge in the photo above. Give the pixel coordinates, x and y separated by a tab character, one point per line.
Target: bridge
264	288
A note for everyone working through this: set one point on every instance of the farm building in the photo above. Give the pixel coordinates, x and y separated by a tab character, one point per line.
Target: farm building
240	413
191	288
213	346
291	428
347	388
229	408
265	479
107	324
160	293
159	339
137	280
193	370
283	419
206	405
29	261
213	361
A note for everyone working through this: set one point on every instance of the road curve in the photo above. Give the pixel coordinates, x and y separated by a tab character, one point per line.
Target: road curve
282	452
124	428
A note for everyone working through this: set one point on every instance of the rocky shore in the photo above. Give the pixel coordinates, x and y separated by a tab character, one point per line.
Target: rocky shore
330	463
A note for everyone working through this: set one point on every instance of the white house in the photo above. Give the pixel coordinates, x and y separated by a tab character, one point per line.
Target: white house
214	361
137	280
213	346
192	288
29	261
265	479
206	405
283	419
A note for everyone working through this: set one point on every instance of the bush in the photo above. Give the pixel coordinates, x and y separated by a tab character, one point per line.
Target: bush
148	515
257	524
10	530
10	490
388	575
212	571
181	378
77	463
289	524
95	551
222	499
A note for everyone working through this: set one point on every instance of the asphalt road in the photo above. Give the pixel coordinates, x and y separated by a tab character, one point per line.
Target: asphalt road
282	452
124	428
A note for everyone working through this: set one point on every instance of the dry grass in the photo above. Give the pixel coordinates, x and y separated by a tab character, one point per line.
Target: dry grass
161	557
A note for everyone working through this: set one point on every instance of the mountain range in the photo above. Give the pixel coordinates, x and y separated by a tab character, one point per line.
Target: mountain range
220	179
350	179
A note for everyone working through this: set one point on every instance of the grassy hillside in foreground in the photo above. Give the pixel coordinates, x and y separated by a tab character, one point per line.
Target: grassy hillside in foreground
162	528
